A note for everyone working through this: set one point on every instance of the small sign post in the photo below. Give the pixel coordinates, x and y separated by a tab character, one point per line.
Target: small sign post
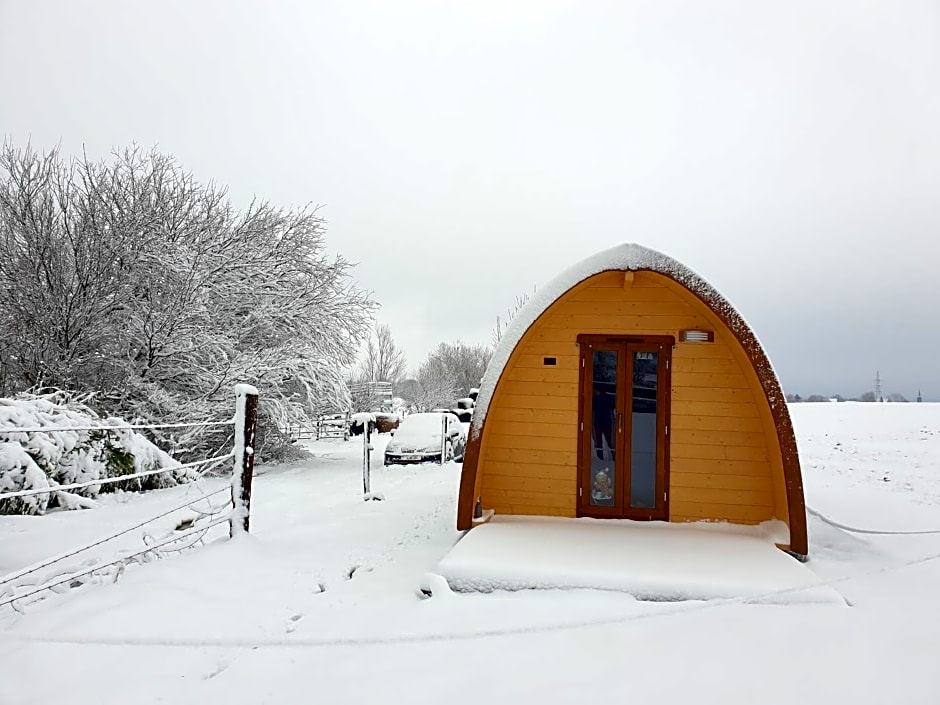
443	438
367	460
367	494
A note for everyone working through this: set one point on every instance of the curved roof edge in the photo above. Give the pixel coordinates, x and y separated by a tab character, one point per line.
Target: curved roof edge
634	257
626	257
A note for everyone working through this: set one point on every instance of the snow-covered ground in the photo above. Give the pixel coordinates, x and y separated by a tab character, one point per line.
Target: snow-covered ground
321	602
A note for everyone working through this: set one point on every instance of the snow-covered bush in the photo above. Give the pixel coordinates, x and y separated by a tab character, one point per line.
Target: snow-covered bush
18	471
35	459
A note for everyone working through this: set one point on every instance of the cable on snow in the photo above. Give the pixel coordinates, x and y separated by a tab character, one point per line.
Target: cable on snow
856	530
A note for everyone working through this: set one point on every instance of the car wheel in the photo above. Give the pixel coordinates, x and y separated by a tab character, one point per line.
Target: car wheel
448	451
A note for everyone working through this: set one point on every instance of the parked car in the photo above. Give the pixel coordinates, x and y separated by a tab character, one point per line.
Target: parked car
418	439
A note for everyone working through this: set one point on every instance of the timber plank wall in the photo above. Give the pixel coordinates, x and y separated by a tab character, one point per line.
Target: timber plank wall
725	462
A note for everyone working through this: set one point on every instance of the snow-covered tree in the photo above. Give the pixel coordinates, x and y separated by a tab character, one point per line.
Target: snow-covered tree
129	279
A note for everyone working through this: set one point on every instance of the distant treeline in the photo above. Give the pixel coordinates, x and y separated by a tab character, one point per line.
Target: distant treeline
867	396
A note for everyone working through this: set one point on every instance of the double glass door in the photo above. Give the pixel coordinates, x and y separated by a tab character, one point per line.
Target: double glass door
624	422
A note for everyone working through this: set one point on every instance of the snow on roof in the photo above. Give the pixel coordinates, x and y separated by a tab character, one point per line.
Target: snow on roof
626	257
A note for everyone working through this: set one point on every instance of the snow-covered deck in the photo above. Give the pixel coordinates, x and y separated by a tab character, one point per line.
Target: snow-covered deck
651	560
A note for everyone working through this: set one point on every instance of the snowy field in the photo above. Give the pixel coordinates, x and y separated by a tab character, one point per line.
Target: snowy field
321	602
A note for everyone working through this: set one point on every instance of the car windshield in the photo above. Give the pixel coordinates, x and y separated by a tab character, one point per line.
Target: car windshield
420	427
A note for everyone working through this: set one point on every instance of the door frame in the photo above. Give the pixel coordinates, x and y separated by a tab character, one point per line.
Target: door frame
663	405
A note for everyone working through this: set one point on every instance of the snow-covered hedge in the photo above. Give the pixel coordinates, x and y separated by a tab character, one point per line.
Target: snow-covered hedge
40	459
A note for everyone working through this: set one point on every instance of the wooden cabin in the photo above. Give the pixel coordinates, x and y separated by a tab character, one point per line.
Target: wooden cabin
630	388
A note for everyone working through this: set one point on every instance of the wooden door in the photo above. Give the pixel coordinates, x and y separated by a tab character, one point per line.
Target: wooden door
623	454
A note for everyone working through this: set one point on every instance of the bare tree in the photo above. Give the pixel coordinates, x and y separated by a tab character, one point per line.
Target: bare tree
464	364
362	397
383	360
450	371
435	386
408	391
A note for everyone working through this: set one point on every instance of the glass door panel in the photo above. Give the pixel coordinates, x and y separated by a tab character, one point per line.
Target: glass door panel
644	429
602	422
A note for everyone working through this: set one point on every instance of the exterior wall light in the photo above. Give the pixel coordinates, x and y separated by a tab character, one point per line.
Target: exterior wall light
696	336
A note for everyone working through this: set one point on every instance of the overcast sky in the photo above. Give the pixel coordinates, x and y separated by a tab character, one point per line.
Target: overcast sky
465	152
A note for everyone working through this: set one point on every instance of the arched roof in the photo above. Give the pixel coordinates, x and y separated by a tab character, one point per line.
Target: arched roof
634	257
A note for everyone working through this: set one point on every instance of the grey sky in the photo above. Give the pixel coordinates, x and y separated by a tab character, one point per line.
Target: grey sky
465	152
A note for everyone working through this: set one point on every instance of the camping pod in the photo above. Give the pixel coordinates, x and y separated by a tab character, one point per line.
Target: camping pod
629	388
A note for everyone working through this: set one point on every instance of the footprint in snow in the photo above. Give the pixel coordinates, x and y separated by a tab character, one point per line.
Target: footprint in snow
292	622
223	665
355	569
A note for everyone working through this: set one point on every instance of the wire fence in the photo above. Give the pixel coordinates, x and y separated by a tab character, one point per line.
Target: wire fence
54	487
124	427
153	550
57	573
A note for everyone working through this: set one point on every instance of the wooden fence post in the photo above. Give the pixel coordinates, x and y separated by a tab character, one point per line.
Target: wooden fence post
246	419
